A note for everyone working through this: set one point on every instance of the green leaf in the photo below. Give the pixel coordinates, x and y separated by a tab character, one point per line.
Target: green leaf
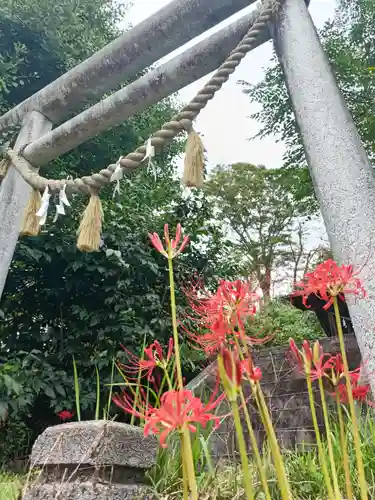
49	392
60	389
11	384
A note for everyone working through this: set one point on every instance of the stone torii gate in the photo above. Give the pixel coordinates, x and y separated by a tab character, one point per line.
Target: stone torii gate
342	175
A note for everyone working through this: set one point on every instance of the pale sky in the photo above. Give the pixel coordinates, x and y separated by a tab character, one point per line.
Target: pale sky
224	123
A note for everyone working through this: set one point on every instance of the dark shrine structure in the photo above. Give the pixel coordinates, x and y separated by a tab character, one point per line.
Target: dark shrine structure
326	318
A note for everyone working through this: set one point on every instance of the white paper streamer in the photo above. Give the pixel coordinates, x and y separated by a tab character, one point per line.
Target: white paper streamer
117	176
43	210
63	200
150	153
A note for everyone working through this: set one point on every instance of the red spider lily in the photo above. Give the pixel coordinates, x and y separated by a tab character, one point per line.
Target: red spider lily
210	342
177	410
300	357
65	415
327	281
153	357
251	372
360	392
171	249
223	314
219	337
232	303
296	356
137	406
338	370
313	362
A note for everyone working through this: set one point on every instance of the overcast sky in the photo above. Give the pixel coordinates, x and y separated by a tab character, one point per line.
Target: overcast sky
225	121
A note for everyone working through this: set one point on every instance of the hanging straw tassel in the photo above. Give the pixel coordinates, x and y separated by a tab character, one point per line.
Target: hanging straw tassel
194	161
4	165
90	228
31	226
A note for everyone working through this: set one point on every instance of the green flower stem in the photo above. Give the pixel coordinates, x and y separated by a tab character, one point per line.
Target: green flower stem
167	378
76	390
185	481
357	444
329	441
139	377
255	449
189	464
174	321
277	456
321	453
243	452
267	422
344	449
186	450
110	390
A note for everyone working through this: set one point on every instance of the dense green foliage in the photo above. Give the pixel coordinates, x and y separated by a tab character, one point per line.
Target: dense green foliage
283	321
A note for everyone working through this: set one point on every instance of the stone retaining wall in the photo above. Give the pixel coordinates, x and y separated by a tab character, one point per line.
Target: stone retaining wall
286	393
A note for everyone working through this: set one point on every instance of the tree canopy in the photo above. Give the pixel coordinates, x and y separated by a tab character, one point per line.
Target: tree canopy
258	209
349	41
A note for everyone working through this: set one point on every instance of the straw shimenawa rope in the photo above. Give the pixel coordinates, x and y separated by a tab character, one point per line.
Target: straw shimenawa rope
179	123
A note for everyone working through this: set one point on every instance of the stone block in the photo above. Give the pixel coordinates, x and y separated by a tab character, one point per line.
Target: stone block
99	460
285	392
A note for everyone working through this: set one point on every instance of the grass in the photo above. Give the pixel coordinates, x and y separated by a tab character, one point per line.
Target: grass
10	486
224	481
303	469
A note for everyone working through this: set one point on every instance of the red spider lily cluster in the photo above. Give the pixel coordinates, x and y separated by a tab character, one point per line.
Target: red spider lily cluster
360	391
316	364
329	280
223	315
233	302
177	409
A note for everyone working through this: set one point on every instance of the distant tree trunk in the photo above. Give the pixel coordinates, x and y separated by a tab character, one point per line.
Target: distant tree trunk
265	284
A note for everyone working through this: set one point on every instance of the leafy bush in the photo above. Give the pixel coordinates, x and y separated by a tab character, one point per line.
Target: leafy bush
281	319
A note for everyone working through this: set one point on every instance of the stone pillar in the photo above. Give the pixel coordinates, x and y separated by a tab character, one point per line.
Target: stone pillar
97	460
15	194
342	174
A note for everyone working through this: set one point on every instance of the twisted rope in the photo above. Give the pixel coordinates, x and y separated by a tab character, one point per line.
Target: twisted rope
179	123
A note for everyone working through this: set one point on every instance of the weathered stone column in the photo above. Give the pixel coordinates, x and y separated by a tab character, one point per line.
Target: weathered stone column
343	177
15	194
98	460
